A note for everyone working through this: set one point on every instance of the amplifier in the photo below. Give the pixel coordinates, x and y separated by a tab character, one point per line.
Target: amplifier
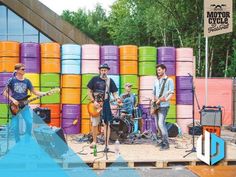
44	114
52	140
211	116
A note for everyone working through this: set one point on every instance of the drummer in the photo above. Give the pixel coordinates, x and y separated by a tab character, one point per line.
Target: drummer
129	100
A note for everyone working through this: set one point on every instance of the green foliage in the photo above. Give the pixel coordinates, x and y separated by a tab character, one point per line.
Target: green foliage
159	23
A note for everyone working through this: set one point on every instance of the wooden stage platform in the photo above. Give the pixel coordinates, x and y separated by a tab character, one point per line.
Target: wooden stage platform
148	155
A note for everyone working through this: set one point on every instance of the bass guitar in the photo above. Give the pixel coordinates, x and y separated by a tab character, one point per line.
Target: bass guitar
16	108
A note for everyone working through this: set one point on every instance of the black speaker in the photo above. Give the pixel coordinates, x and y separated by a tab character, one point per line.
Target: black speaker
211	116
172	129
52	140
44	114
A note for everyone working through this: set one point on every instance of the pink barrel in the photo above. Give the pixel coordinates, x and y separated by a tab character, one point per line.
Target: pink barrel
90	52
71	126
90	66
166	54
184	97
145	95
183	68
184	116
184	82
184	54
147	82
71	111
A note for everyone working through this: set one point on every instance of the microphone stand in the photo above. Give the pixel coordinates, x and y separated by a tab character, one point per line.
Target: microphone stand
193	127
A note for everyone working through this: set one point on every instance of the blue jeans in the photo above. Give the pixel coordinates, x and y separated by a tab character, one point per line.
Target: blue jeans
27	115
160	120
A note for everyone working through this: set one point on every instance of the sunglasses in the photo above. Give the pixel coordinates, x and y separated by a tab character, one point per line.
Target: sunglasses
23	69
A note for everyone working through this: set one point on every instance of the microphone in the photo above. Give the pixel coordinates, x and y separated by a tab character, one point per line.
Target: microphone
14	74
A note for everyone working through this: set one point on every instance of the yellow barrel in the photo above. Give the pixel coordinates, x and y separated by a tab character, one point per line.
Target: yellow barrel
9	49
71	81
70	96
34	78
7	64
33	96
50	65
50	50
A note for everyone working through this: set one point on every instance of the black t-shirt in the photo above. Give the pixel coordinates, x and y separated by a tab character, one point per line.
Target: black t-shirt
96	84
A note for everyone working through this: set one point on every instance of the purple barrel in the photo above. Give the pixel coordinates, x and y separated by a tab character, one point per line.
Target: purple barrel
3	99
32	65
109	50
166	54
71	111
184	82
114	66
109	57
184	97
149	124
4	77
170	66
30	50
71	126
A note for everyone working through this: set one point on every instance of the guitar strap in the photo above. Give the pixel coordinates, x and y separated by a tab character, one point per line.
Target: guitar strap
107	88
162	88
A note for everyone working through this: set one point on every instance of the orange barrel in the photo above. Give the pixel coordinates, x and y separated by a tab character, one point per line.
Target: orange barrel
55	109
85	125
50	65
173	98
56	122
7	64
70	96
50	50
9	49
128	52
128	67
71	81
84	111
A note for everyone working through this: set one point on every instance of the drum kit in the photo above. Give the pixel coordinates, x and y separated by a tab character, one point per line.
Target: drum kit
124	124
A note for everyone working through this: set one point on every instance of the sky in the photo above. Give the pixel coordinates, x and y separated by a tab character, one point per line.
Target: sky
59	5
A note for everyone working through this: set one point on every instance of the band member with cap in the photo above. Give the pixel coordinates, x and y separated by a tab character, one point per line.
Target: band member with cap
99	88
163	90
19	86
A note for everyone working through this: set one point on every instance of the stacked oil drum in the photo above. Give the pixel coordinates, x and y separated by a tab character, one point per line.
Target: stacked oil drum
71	85
9	56
147	73
90	64
166	56
50	78
184	81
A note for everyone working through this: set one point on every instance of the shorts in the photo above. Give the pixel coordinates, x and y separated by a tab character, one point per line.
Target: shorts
95	121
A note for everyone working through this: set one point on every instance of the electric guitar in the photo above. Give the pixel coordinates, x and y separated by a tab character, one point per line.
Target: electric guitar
95	111
16	108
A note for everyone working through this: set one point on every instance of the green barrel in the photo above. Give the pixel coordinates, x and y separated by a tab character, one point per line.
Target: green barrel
147	68
171	116
133	79
84	98
147	53
86	78
3	114
49	80
54	98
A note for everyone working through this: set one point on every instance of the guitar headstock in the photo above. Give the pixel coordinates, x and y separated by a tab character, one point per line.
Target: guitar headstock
55	90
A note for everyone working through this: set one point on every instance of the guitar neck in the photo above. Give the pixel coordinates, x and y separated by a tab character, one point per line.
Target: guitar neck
37	97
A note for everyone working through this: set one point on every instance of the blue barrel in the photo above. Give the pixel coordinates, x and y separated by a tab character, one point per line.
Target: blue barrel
69	51
71	66
116	79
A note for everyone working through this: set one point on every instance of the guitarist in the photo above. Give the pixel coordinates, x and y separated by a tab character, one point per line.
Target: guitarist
19	86
163	90
99	88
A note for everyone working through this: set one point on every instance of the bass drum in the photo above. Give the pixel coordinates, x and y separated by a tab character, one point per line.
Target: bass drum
120	129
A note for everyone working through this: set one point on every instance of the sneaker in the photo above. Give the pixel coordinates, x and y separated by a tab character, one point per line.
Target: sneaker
159	144
164	147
